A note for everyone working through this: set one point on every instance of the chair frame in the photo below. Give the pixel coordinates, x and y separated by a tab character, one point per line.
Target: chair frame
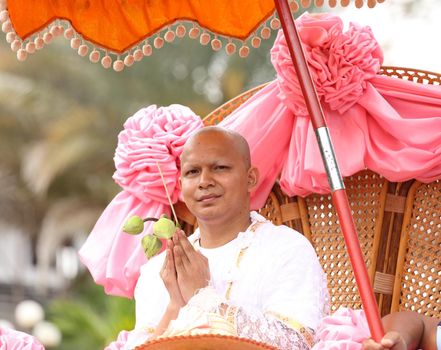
389	221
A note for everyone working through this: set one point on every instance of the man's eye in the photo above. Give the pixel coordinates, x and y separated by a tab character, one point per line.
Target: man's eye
221	167
191	172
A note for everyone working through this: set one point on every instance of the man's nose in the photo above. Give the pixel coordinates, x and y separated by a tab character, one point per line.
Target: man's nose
205	180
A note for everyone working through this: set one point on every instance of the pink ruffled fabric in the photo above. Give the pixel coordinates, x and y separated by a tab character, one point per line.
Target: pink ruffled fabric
151	135
11	339
120	342
388	125
346	329
340	62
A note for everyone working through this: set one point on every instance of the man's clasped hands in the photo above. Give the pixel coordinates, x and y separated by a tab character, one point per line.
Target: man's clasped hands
185	270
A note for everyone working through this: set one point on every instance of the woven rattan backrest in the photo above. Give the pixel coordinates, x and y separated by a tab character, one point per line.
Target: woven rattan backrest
366	193
418	286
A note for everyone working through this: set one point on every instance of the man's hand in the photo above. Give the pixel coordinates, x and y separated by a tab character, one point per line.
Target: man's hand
392	340
191	266
169	276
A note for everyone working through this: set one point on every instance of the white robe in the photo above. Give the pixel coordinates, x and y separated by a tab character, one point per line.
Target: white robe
278	274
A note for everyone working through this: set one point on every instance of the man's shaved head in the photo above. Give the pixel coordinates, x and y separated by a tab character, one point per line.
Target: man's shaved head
235	141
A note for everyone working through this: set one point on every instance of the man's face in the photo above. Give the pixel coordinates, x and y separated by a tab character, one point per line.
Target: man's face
215	180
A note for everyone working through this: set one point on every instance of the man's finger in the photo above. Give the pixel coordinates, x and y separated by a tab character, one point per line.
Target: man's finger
172	257
179	259
391	339
185	244
164	266
370	344
178	242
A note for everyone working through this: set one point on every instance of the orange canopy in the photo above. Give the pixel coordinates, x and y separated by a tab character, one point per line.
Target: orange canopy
119	25
123	27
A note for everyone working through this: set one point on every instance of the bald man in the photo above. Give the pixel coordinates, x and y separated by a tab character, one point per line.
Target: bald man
238	274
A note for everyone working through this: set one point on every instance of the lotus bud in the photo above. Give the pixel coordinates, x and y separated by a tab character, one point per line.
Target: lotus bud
134	225
164	228
151	245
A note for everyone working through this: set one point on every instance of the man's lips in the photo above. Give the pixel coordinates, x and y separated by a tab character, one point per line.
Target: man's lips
208	197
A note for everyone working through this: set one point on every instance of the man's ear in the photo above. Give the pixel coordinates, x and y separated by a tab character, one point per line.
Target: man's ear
253	178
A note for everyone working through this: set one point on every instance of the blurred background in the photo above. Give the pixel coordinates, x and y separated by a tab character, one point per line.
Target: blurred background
59	120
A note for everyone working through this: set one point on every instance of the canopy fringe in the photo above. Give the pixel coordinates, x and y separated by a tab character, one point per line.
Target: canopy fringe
168	34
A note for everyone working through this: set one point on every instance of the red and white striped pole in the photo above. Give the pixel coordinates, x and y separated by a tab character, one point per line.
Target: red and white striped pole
338	192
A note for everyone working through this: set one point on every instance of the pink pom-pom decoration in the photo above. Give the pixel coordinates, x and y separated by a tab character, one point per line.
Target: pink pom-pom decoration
244	51
94	56
275	23
230	48
147	50
265	33
129	60
69	33
137	55
118	65
30	47
53	30
371	3
83	50
255	42
158	42
194	32
15	45
47	38
56	30
60	30
6	27
39	43
169	36
75	43
4	16
180	31
106	62
306	3
294	7
22	55
216	44
204	39
10	37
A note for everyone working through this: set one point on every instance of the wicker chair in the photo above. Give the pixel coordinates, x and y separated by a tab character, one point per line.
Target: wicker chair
399	227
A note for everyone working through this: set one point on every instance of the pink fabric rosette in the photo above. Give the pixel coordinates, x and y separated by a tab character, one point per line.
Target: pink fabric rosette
11	339
346	329
388	125
153	135
340	62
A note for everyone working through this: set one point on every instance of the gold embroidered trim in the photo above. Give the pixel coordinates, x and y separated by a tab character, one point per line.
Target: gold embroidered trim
150	330
306	333
254	226
238	261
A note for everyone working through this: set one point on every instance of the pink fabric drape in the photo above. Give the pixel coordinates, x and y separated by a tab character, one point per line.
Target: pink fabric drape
388	125
151	135
11	339
346	329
